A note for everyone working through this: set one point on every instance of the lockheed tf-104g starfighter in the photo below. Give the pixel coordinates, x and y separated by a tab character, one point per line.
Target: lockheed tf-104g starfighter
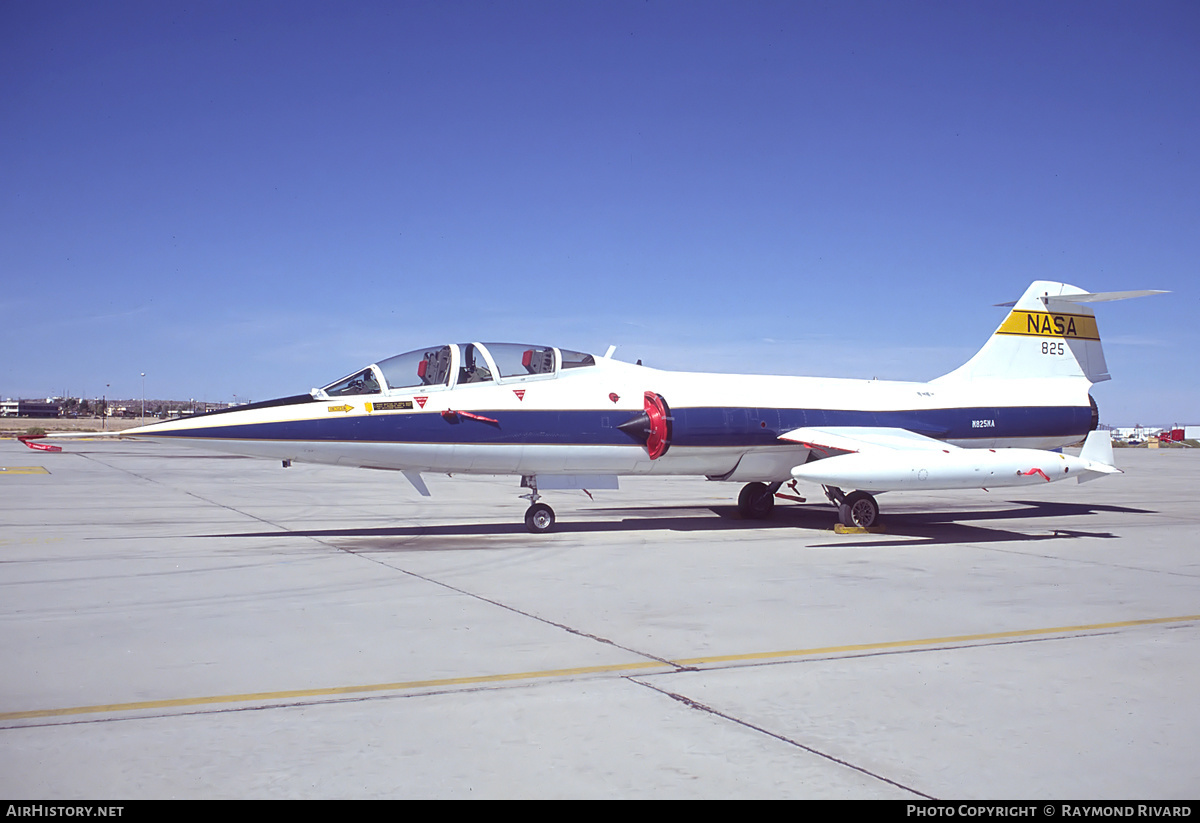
562	419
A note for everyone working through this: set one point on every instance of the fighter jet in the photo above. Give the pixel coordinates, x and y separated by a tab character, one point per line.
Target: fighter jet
562	419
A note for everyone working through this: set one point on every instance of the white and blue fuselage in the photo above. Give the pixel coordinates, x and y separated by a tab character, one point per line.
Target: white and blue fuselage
579	421
568	421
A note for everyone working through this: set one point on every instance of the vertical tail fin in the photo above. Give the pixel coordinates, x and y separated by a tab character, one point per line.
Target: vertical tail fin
1050	332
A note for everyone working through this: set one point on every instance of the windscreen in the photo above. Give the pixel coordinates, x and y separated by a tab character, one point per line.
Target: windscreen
363	382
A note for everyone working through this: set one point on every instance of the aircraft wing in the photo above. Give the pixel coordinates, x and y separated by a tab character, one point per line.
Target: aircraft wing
834	440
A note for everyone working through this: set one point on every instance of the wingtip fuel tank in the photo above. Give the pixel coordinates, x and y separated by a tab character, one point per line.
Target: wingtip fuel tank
954	468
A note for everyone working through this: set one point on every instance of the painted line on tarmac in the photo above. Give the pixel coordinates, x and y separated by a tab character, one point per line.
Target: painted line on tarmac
934	641
251	697
184	702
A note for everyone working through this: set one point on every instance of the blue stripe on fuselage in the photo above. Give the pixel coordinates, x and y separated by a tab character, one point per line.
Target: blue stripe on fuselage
699	427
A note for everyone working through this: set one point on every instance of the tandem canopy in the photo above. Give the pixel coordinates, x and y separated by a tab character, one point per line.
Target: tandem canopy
457	364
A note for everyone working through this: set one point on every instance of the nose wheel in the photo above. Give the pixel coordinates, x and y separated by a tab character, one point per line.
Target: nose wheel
539	518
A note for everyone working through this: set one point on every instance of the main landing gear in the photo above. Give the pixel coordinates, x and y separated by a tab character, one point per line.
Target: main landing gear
856	509
757	500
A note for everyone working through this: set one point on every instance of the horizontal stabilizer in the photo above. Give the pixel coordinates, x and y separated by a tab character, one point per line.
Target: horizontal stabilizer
1105	296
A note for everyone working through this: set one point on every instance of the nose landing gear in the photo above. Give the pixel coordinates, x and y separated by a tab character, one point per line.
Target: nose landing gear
539	518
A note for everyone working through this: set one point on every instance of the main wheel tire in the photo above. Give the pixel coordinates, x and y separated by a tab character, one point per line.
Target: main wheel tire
539	518
756	501
859	510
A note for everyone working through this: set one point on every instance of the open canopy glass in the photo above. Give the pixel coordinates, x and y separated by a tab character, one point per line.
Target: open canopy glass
459	364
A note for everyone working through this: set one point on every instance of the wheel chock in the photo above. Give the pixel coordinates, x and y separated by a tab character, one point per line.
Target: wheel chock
838	528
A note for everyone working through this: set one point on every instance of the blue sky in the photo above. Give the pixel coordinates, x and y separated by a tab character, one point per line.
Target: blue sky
254	198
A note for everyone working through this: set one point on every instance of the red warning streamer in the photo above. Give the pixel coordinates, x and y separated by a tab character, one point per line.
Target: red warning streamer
450	415
28	440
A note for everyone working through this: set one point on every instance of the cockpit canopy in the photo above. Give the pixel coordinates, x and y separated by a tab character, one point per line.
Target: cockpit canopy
458	364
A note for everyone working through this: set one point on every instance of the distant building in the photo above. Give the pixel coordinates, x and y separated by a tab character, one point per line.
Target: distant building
1135	434
37	408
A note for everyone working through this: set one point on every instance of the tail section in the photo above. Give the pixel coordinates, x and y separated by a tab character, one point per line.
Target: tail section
1050	332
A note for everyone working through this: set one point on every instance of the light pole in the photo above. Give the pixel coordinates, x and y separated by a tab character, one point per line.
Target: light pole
143	398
